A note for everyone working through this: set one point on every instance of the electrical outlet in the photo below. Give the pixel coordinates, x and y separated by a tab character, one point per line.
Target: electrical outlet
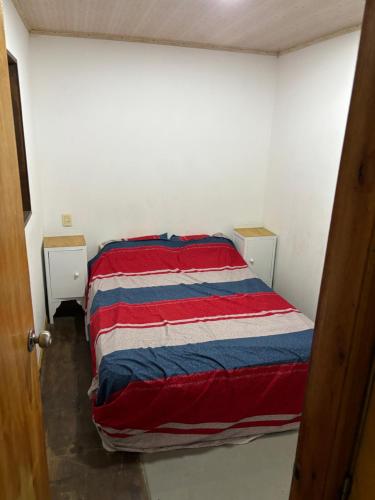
66	220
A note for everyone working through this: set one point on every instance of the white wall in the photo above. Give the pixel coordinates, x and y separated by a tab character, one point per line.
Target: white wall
18	43
136	138
312	99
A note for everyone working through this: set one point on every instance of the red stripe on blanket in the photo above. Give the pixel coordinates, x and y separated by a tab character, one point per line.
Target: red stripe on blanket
186	310
154	258
217	396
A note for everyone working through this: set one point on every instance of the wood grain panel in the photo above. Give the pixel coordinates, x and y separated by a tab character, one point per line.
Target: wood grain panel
363	487
344	341
23	467
64	241
248	25
248	232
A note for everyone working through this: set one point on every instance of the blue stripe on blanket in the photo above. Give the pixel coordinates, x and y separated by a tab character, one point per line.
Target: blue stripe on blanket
175	292
122	367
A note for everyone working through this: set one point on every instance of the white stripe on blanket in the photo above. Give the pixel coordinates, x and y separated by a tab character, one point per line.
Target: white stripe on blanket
121	338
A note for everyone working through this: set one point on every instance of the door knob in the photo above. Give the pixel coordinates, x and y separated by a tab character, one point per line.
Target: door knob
44	339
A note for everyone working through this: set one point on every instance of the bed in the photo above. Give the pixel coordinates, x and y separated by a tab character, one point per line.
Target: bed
189	348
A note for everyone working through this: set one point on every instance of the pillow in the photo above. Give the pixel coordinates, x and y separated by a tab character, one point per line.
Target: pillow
190	237
163	236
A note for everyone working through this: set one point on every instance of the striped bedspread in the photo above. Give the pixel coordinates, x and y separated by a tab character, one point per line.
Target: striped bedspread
189	348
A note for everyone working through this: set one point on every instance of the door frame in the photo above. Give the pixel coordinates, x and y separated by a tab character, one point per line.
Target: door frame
344	340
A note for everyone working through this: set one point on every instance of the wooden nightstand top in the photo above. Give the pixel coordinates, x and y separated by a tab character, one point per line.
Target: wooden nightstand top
77	240
248	232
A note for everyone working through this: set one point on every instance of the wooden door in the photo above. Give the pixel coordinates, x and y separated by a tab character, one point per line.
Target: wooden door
23	465
363	484
344	341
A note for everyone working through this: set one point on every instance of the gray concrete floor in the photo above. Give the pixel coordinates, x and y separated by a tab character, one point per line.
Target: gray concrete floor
259	470
79	468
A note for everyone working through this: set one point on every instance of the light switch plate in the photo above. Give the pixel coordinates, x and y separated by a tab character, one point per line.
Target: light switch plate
66	220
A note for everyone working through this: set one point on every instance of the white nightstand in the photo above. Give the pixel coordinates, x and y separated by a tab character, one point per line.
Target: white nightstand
65	260
257	246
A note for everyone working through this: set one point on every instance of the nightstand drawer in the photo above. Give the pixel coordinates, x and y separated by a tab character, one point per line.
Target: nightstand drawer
67	273
260	254
257	245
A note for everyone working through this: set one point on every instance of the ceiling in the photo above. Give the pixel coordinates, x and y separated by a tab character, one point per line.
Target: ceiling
270	26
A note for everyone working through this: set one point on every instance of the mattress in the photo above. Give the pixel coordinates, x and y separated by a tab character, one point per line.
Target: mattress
189	348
